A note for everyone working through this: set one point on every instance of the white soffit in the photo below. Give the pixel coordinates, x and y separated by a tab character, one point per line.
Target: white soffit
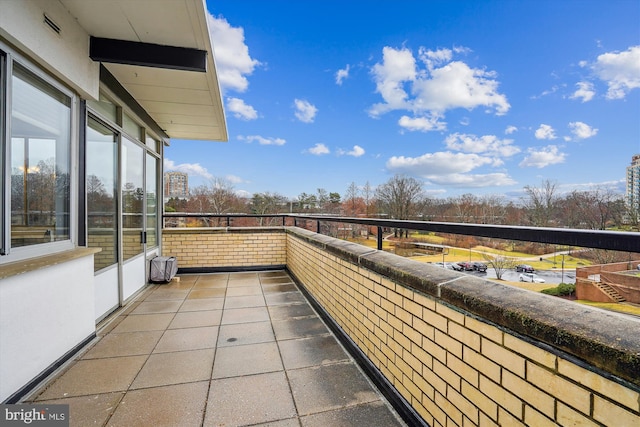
185	104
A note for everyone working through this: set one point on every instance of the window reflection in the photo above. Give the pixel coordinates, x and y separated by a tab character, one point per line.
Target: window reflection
40	161
101	193
132	198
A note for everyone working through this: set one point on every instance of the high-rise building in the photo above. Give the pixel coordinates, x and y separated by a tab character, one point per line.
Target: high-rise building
633	184
176	184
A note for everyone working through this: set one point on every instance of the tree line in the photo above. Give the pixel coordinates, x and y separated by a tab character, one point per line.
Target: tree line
403	197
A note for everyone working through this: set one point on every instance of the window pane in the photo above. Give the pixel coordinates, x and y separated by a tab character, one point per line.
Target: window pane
132	198
152	201
105	107
40	161
101	194
131	127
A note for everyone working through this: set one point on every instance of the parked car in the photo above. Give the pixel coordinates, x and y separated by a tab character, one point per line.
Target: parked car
525	268
530	277
466	266
456	266
479	266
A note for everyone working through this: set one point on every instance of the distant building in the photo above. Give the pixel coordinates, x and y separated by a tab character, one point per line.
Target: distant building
176	184
633	184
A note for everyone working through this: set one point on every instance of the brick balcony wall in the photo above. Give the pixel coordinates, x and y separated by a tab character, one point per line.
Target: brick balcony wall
460	350
226	247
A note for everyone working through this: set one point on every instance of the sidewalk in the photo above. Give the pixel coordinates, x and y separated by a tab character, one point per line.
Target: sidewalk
237	349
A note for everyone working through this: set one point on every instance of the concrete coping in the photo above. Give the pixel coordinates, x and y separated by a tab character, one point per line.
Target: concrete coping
222	230
603	340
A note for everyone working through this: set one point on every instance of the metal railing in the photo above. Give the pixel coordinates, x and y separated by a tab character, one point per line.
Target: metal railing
596	239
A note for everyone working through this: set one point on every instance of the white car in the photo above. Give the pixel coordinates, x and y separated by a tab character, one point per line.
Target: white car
530	277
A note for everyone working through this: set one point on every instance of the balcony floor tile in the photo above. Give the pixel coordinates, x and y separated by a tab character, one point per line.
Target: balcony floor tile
217	349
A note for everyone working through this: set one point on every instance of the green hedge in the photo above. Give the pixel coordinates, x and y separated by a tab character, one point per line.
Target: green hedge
563	289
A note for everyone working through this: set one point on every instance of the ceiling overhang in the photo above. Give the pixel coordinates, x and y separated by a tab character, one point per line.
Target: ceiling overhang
160	51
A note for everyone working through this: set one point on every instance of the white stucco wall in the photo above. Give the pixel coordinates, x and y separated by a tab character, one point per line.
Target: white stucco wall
66	55
44	313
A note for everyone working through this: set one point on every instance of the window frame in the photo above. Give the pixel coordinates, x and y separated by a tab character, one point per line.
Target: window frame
142	140
8	57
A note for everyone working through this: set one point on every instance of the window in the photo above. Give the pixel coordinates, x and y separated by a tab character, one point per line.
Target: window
38	207
102	213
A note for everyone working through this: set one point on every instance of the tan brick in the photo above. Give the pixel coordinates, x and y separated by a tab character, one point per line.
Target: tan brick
425	301
412	334
469	374
450	313
438	417
483	365
463	404
565	391
502	397
412	307
451	345
601	385
404	315
420	354
535	418
485	421
610	414
435	320
482	402
568	417
436	382
530	351
435	350
452	412
528	393
424	328
464	335
450	377
503	357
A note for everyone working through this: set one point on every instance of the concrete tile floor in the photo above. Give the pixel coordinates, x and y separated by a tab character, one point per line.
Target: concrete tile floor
232	349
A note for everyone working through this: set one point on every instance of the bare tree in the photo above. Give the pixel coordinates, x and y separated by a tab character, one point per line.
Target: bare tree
499	263
540	203
399	197
267	203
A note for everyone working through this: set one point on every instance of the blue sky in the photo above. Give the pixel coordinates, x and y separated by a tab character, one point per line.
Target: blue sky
481	97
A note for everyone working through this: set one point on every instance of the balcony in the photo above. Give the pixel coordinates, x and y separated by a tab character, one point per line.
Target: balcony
218	349
442	347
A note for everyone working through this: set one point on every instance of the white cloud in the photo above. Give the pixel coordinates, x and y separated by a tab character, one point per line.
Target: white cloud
188	168
545	132
438	86
342	74
357	151
582	130
486	144
447	168
620	70
241	110
305	111
234	179
473	180
422	124
233	61
439	163
319	149
397	67
585	91
549	155
433	58
262	140
510	129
